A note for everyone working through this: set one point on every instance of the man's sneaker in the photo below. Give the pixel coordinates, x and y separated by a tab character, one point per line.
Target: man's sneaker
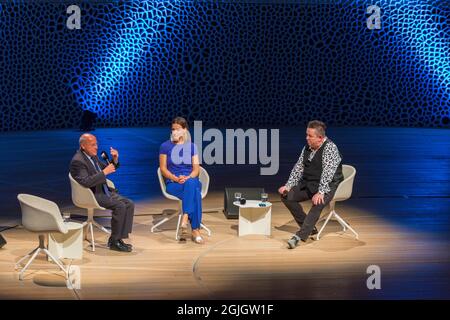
293	242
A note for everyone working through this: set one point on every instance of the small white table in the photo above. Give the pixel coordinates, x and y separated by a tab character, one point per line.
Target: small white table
69	245
254	219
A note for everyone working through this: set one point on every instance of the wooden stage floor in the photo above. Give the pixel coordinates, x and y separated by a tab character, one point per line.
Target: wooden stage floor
403	227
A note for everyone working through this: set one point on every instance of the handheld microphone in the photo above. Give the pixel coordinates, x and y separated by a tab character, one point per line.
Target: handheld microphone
105	157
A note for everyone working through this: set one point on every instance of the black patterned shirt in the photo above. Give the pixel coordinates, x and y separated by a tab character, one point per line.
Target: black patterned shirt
330	162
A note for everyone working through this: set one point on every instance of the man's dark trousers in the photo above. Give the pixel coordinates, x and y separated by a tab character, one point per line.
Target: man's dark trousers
306	222
122	214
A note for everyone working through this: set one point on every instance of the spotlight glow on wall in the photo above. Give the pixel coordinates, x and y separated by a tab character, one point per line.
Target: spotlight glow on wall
142	26
418	26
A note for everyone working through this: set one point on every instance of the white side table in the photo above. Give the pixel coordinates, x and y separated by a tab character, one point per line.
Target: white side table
254	219
69	245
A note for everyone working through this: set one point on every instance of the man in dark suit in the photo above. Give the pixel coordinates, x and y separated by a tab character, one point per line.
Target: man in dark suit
88	171
315	177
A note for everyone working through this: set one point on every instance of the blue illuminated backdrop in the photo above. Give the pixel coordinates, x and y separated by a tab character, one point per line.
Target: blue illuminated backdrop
139	63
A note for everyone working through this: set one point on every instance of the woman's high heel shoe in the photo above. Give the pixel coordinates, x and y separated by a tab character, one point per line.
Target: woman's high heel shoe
198	239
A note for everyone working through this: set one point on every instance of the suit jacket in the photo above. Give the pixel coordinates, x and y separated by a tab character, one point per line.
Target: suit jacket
84	173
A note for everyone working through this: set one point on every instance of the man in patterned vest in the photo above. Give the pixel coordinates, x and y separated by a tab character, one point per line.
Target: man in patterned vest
315	176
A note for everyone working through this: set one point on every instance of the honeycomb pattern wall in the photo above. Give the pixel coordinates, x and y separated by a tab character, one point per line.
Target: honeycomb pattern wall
228	63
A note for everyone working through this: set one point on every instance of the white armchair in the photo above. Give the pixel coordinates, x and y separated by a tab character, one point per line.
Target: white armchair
343	192
204	179
84	198
42	217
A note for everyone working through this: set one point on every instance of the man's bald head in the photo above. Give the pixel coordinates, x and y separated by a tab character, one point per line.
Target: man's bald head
88	143
86	137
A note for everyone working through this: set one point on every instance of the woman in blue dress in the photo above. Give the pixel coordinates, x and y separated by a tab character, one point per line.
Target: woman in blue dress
179	164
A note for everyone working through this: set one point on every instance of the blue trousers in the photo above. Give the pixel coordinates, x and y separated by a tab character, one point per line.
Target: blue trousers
191	198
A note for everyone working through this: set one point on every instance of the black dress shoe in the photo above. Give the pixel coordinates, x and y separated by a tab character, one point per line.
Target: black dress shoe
126	244
117	246
110	241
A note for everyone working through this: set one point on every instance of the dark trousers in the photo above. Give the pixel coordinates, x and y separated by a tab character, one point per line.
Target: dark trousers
305	222
122	214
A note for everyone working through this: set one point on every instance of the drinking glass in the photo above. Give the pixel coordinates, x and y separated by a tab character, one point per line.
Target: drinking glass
66	216
264	197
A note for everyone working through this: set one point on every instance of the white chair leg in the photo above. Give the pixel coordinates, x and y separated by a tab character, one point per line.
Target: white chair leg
159	223
178	226
28	263
341	221
90	223
345	224
328	208
100	227
35	253
206	228
58	262
24	257
323	226
91	230
86	230
165	220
